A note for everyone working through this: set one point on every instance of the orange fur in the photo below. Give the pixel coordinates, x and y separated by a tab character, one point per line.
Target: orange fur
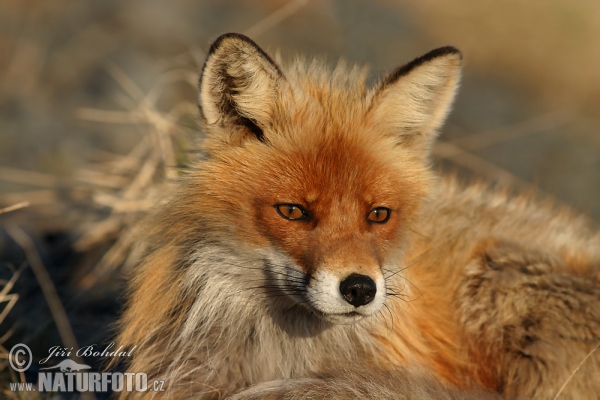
233	295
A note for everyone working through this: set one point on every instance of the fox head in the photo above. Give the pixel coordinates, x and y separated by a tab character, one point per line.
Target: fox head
315	173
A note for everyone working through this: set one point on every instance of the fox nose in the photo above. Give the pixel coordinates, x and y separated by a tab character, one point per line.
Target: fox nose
358	290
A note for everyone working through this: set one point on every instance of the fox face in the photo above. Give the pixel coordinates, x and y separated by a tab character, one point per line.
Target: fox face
318	175
332	216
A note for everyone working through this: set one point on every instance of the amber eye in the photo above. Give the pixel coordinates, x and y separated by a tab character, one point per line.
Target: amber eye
379	215
292	212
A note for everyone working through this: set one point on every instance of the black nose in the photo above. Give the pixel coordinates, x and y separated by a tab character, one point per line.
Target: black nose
358	290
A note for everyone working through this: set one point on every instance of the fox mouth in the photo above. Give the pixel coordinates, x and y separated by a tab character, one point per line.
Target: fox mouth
348	318
345	318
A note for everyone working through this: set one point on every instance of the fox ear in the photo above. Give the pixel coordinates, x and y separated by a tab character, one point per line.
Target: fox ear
239	86
416	98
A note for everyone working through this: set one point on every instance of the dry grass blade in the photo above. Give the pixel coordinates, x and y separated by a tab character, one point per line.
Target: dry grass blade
32	197
479	166
576	369
14	207
527	127
28	177
114	256
41	274
97	178
133	159
142	179
10	299
100	231
465	159
130	87
177	75
119	205
107	116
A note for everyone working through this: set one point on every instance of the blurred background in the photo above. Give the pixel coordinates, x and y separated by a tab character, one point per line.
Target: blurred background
97	112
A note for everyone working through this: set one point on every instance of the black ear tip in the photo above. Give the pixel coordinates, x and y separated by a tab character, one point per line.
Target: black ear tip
433	54
437	53
446	50
242	44
230	36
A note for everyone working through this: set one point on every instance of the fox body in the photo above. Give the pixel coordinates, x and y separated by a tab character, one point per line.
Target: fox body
313	252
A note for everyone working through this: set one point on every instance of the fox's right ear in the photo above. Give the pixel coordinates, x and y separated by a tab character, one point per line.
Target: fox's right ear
239	86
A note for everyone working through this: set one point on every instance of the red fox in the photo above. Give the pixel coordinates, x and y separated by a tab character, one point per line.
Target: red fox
313	253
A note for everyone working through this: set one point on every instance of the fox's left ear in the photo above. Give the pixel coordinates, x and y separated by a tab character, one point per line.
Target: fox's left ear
416	98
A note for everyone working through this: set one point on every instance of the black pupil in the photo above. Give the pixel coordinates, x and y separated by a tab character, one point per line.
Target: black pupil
379	214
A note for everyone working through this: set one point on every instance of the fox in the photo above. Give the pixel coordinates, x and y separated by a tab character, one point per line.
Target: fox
314	252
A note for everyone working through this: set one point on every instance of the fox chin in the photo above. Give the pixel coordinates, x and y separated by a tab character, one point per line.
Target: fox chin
313	253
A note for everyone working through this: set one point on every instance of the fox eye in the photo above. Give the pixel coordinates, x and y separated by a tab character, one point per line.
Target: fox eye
379	215
292	212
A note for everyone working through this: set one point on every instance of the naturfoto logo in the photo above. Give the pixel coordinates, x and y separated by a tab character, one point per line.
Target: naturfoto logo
71	376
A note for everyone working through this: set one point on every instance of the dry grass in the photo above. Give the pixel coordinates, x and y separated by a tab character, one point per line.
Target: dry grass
117	191
8	301
119	188
140	174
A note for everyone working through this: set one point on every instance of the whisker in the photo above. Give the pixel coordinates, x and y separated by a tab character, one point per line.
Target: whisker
391	315
418	233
